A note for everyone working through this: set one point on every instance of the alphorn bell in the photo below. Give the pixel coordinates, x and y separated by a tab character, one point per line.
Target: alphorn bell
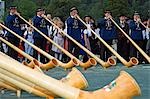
123	87
135	45
70	64
110	61
74	79
86	65
33	62
133	60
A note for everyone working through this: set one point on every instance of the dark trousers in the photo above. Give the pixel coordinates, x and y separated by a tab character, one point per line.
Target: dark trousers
73	48
40	43
104	50
12	53
133	50
123	48
1	47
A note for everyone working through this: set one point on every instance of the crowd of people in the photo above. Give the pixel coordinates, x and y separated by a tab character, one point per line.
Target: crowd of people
104	28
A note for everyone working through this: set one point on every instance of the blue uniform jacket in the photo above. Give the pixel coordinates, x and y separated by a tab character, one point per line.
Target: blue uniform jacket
136	32
41	24
13	22
105	32
74	28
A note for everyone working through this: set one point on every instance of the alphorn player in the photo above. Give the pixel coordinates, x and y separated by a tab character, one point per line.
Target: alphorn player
107	33
123	42
40	23
74	30
136	29
13	22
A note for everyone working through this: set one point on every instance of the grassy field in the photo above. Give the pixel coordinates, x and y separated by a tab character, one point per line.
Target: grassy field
98	78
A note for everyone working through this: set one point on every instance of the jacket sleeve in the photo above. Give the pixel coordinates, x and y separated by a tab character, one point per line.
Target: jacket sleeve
69	22
132	25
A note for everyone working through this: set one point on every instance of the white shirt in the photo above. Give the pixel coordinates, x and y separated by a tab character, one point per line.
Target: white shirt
147	33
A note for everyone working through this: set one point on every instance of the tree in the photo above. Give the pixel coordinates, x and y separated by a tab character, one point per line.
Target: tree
118	7
61	7
27	8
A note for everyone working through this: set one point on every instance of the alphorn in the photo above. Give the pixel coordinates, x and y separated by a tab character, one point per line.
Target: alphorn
33	62
133	60
143	25
110	61
112	91
8	86
22	85
135	45
70	64
74	79
86	65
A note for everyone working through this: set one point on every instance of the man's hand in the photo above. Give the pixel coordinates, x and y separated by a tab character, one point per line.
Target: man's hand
138	20
17	13
43	15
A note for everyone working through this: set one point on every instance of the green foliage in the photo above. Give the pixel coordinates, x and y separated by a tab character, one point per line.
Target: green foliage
95	8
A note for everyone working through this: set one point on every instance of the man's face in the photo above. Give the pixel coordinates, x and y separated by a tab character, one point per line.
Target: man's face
13	11
87	19
136	17
74	12
122	18
107	14
40	13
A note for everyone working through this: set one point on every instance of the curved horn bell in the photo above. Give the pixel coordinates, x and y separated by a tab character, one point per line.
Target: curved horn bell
133	61
91	62
76	79
32	64
123	87
73	62
51	64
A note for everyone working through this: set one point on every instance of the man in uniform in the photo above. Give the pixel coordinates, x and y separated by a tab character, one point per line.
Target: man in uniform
136	35
107	33
13	22
40	23
123	42
74	30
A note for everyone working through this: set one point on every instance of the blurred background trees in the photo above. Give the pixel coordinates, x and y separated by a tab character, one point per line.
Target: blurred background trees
94	8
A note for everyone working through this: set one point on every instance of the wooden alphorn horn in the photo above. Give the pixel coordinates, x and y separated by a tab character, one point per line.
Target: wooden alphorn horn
70	64
73	60
86	65
22	85
135	45
133	60
74	79
143	25
9	86
123	87
110	61
33	62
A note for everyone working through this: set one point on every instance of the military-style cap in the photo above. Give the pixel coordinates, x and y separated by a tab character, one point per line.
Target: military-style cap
73	8
136	13
107	11
40	9
12	7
